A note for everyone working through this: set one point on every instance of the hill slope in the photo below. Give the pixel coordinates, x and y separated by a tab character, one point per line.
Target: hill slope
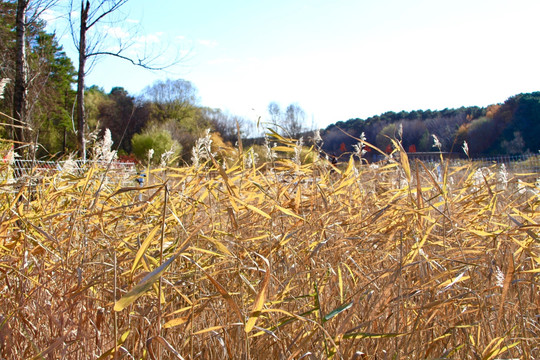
509	128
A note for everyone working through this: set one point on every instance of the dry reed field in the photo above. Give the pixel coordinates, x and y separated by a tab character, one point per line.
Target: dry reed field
276	261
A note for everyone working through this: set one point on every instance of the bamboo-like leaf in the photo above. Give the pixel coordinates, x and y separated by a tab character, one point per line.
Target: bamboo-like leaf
164	343
404	159
405	164
350	167
56	344
278	137
508	277
418	246
289	212
204	331
284	321
221	247
500	351
259	301
205	251
337	311
340	283
176	322
144	246
283	148
112	350
531	233
364	335
240	145
225	294
494	343
257	210
143	286
450	282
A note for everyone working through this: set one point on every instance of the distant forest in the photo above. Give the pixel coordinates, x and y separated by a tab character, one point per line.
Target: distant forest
509	128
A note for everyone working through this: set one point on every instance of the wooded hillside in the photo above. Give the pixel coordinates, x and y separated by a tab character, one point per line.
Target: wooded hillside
509	128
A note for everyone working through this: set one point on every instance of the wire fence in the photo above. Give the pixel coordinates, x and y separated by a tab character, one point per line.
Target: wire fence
525	163
518	164
32	171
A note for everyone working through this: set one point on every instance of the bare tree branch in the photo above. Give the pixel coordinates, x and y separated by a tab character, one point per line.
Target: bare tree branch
92	46
36	8
115	6
137	62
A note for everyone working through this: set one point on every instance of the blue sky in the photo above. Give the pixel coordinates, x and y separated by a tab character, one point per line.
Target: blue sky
337	59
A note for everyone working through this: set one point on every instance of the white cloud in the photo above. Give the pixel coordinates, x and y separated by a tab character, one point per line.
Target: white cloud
208	43
150	38
50	16
116	31
221	61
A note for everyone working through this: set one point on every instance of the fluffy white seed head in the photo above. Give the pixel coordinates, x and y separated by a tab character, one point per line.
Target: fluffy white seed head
436	142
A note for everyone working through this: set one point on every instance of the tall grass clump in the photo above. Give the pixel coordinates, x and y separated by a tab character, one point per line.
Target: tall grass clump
279	260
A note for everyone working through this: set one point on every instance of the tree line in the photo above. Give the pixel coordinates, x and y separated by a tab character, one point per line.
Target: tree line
512	127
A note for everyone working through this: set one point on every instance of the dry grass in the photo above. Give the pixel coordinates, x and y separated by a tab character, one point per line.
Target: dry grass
278	262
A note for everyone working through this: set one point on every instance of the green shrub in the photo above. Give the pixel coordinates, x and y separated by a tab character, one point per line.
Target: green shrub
158	140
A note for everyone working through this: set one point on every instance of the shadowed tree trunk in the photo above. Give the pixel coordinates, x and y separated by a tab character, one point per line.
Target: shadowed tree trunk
81	121
28	12
21	72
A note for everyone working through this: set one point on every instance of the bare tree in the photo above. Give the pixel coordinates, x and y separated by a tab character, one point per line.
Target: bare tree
171	94
275	112
28	11
227	125
295	118
291	122
92	45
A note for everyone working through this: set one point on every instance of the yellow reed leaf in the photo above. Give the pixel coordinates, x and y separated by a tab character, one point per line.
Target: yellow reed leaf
205	251
350	166
221	247
486	354
259	301
340	278
500	350
142	287
144	246
283	148
416	247
212	328
289	212
111	351
176	322
350	272
485	233
253	208
225	294
453	281
258	211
